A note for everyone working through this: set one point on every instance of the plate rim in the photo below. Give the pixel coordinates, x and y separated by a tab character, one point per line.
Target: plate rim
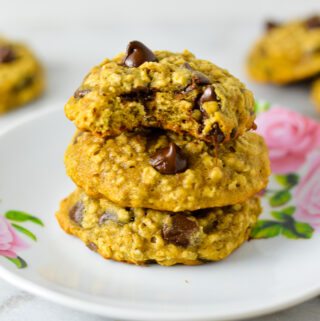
129	313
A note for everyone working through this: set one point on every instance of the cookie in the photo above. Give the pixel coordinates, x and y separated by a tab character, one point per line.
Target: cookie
163	170
315	93
21	75
141	236
287	52
173	91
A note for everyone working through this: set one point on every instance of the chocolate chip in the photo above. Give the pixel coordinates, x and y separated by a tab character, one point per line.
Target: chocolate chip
6	54
80	93
254	126
219	136
313	22
108	216
93	247
233	132
23	83
137	53
198	77
139	93
232	150
169	160
269	25
76	212
181	230
207	95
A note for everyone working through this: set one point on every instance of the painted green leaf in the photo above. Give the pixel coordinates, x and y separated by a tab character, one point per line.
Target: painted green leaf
296	230
265	229
285	213
288	180
19	262
260	106
22	217
289	233
24	231
280	198
304	229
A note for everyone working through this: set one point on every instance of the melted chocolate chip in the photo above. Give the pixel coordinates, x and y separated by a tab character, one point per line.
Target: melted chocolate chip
76	212
198	77
80	93
93	247
169	160
108	216
139	93
313	22
207	95
137	53
219	136
181	230
233	132
6	54
269	25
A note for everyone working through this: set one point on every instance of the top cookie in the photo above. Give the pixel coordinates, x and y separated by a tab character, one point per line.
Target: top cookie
172	91
287	52
21	75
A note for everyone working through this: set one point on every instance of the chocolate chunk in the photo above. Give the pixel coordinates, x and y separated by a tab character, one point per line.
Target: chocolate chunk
6	54
93	247
181	231
313	22
137	53
139	93
79	93
108	216
169	160
207	95
23	83
76	212
219	136
269	25
233	132
198	77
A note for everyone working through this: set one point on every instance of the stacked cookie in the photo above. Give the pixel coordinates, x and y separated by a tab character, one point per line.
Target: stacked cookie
166	167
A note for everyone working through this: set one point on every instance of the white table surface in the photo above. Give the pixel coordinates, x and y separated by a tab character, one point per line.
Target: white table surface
72	36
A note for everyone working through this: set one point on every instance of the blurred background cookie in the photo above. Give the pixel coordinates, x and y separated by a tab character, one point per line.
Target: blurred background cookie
21	75
315	93
287	52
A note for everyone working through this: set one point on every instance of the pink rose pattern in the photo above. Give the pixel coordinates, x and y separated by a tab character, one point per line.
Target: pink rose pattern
289	137
10	242
307	193
293	141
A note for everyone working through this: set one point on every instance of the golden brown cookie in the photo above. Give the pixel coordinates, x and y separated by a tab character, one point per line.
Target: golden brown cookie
315	94
21	75
165	171
141	236
174	91
287	52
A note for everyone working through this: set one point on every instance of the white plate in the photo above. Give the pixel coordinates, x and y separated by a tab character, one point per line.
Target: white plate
262	276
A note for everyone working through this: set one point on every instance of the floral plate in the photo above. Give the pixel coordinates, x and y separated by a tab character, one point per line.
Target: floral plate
277	268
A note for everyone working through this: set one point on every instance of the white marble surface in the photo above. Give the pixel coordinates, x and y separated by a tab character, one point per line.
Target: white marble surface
72	36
